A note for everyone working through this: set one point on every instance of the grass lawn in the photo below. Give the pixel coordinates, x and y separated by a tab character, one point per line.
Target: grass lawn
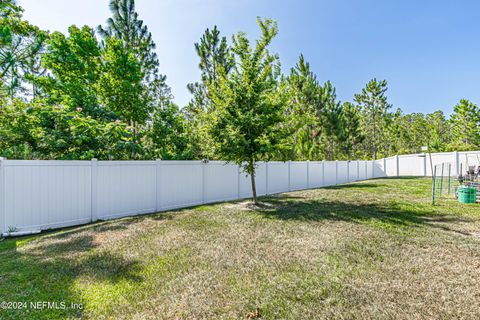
373	249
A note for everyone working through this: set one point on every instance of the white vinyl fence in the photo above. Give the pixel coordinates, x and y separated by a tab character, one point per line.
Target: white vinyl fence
37	195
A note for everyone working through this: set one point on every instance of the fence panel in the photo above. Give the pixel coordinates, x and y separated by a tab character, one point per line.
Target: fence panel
180	184
438	158
125	188
353	171
386	167
412	165
278	177
372	166
221	181
315	174
298	175
330	173
46	194
342	174
362	170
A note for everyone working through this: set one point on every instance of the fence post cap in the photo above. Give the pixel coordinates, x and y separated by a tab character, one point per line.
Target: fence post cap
94	159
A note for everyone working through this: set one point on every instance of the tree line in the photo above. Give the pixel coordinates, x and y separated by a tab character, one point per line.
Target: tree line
99	93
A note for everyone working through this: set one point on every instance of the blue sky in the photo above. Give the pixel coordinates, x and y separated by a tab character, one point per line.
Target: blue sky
429	51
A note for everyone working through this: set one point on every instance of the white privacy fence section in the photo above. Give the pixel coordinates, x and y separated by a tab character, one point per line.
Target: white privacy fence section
38	195
421	164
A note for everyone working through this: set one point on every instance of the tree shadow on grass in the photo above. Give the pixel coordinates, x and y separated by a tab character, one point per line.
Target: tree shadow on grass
48	270
356	186
388	214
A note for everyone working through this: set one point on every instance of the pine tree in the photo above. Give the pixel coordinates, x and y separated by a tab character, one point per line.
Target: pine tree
20	46
351	133
126	26
373	103
439	131
305	117
215	58
466	122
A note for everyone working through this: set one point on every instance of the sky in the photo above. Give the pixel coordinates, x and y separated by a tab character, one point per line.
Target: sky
428	51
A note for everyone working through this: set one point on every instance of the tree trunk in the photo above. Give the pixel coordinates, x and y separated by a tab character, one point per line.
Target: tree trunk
254	188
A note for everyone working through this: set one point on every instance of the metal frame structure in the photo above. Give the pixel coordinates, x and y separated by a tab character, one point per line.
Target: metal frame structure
442	174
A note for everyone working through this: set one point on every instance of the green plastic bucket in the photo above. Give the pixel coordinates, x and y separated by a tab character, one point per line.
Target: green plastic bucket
467	194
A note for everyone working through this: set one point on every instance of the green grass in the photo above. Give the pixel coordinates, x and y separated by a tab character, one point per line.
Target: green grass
374	249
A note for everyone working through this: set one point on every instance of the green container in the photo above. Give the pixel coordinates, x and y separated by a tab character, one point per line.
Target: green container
467	194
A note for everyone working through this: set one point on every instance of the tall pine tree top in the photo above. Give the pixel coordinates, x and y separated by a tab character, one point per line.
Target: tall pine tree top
126	26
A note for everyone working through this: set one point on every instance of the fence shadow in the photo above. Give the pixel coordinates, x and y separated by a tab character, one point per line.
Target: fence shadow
388	214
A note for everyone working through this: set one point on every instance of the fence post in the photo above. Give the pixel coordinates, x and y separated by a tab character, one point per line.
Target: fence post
384	167
336	172
266	178
434	175
94	189
366	169
449	176
348	170
239	172
397	165
289	175
358	170
441	179
323	172
204	163
158	183
308	174
3	218
425	165
456	159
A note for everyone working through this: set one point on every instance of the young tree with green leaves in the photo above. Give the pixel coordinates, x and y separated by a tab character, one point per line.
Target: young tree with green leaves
74	63
248	104
37	130
121	88
167	135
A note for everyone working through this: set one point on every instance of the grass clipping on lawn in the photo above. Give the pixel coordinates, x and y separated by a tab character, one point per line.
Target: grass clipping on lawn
373	249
